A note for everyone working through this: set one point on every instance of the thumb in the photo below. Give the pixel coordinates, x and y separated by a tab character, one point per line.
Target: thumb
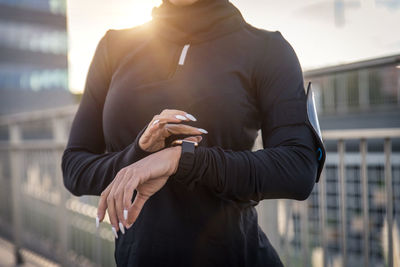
197	138
135	209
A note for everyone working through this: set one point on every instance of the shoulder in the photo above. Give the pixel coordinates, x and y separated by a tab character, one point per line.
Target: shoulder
115	36
264	38
274	55
271	51
119	42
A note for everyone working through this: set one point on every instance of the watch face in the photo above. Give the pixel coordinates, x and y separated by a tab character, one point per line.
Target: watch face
188	141
188	149
187	156
180	142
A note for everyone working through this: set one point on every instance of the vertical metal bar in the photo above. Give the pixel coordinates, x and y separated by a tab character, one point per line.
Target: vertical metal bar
363	89
287	248
322	210
305	234
343	202
59	137
268	219
16	162
341	92
364	182
398	86
389	198
329	94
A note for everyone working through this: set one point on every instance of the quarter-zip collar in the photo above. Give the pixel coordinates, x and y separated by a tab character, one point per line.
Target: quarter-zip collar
201	21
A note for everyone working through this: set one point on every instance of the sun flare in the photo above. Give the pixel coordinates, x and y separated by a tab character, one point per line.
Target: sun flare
99	16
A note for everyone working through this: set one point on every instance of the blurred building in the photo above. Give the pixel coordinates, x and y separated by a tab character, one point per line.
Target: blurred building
33	55
363	94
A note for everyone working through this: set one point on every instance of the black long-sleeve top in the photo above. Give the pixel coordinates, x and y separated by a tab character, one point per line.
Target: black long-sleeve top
235	79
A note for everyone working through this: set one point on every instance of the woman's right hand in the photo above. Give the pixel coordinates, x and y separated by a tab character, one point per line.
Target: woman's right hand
165	124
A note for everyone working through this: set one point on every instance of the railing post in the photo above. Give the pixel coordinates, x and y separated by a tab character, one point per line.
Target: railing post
305	233
364	182
343	202
341	93
268	219
329	95
16	163
288	207
363	89
389	198
322	210
59	137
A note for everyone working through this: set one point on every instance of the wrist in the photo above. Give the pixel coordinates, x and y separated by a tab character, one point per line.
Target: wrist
176	155
142	147
139	150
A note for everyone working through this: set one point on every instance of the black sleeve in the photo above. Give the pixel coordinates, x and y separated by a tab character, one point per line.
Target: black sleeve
87	168
287	165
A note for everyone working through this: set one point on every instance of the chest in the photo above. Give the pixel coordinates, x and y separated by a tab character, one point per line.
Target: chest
210	81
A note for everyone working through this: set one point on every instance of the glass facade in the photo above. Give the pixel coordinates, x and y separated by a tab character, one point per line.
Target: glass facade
52	6
36	38
33	79
33	45
357	90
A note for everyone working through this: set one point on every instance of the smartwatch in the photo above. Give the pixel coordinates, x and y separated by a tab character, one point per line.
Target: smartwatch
187	155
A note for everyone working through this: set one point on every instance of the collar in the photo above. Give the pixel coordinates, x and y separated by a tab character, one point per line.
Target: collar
201	21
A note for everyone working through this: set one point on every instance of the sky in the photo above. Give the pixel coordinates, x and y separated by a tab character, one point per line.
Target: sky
322	32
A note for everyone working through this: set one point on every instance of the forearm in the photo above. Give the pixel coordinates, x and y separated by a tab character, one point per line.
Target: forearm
285	169
88	173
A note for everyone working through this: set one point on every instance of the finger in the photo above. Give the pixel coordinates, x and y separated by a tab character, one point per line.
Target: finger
111	198
135	208
183	129
194	138
172	112
102	206
119	195
160	120
158	130
127	198
165	118
156	126
178	112
111	212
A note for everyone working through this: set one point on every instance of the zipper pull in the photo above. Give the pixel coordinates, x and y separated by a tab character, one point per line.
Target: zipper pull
183	54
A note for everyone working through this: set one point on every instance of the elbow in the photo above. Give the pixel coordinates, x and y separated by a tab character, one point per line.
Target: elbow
304	190
68	177
70	187
306	181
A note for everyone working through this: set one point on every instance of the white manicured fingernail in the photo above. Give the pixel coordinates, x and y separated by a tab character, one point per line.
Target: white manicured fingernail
97	222
202	130
156	121
125	214
191	117
121	227
181	117
114	232
129	226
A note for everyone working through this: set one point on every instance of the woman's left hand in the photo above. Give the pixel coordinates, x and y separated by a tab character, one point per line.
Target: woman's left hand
147	176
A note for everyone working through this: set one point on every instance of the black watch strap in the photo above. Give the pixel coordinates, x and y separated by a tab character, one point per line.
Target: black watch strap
187	156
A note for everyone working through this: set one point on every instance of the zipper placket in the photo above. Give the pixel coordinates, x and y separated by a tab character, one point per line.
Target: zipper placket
181	60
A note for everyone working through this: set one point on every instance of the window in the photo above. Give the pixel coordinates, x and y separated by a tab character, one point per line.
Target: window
33	38
52	6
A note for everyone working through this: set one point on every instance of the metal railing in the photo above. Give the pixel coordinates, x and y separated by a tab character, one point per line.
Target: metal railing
38	213
357	177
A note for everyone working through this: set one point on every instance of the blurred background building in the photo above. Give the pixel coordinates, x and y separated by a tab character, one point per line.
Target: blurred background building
363	94
355	96
33	55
